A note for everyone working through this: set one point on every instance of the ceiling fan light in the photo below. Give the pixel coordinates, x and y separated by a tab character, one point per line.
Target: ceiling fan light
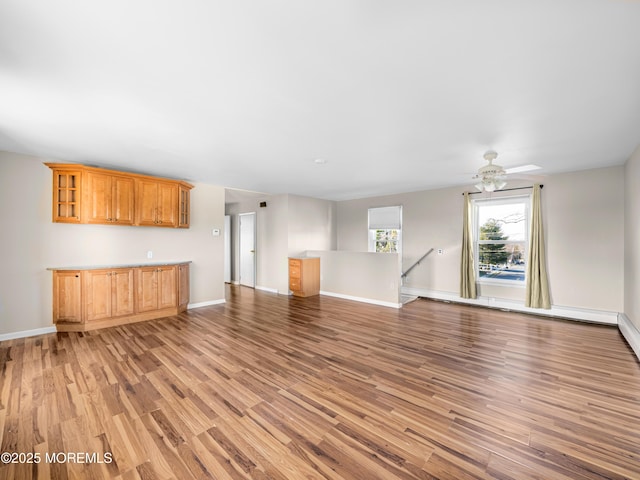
492	177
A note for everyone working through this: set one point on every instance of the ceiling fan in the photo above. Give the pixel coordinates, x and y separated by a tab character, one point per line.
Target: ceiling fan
492	177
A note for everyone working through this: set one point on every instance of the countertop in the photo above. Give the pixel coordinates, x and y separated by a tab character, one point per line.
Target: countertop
124	265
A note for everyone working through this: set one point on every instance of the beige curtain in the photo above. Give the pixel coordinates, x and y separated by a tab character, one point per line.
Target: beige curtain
537	292
467	269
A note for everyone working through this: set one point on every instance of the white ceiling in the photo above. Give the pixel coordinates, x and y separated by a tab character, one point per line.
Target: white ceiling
394	95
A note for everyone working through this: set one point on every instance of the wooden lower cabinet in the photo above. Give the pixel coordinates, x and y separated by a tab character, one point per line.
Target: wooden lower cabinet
108	293
97	298
67	304
156	288
304	276
183	286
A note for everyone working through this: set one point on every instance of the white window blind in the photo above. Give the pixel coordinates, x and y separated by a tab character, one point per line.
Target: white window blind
385	218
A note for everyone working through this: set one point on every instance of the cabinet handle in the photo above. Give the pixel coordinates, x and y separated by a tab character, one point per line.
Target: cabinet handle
77	276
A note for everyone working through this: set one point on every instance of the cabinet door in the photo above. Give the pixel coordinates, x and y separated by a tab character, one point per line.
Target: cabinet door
183	286
67	190
184	207
147	205
122	200
98	198
167	205
122	292
295	272
97	294
167	286
147	289
66	297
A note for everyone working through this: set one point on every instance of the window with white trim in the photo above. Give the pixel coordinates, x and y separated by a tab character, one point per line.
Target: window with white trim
501	239
385	229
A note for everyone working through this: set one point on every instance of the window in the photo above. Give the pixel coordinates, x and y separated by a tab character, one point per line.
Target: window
385	229
501	229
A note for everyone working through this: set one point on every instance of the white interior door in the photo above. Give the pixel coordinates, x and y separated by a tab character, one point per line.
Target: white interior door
248	249
227	248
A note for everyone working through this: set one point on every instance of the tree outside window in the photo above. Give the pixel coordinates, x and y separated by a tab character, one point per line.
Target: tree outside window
385	229
386	241
501	239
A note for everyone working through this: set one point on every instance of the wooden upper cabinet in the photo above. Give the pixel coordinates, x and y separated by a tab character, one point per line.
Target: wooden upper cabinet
108	199
167	204
123	200
67	194
157	203
184	207
84	194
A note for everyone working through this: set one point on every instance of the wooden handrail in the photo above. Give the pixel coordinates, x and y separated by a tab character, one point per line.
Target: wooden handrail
404	274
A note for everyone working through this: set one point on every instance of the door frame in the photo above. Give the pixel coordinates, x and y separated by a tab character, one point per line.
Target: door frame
240	253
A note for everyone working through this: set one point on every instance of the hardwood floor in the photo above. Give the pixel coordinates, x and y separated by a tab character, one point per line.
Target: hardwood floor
271	387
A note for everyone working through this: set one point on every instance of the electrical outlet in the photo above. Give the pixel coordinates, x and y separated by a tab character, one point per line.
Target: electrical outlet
440	251
149	254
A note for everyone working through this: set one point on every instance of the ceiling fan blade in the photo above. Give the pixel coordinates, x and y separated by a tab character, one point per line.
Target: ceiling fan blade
522	169
528	177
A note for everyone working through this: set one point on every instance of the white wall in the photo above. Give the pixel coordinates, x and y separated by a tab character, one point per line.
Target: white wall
271	237
361	276
584	226
287	226
632	240
31	243
585	238
312	224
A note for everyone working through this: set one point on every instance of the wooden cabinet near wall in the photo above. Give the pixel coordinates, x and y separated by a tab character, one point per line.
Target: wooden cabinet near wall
157	203
184	206
183	286
83	194
108	293
67	194
304	276
67	304
90	298
108	198
156	288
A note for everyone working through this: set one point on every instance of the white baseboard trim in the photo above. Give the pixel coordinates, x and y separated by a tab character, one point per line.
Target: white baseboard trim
362	299
206	304
266	289
569	313
630	333
27	333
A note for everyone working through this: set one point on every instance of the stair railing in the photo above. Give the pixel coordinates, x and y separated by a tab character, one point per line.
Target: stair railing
404	274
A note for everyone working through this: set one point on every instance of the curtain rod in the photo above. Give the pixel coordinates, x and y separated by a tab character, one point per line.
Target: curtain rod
505	190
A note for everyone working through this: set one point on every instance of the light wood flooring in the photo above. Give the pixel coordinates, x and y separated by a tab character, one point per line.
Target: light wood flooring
272	387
